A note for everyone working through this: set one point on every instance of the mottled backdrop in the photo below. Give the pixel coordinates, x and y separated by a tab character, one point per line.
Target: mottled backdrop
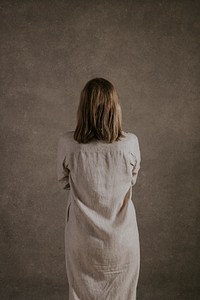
150	51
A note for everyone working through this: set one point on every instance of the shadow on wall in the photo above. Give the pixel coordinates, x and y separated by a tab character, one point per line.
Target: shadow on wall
32	289
23	287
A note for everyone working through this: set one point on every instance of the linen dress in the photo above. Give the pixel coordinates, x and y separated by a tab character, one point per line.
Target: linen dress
102	250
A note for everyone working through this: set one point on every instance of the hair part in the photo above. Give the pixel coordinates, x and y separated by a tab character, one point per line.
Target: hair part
99	115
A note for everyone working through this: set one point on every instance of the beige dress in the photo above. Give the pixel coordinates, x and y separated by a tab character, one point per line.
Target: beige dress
101	235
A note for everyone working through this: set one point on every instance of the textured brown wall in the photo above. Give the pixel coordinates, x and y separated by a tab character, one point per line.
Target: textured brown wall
150	51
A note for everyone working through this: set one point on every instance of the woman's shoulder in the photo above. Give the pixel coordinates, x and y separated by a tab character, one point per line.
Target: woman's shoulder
130	136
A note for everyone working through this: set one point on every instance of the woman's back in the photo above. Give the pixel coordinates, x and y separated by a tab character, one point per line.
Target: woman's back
102	243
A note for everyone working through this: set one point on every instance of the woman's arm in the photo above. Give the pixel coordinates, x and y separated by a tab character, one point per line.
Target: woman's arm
136	159
62	166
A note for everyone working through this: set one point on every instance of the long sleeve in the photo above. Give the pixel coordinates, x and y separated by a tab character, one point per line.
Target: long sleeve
62	170
135	162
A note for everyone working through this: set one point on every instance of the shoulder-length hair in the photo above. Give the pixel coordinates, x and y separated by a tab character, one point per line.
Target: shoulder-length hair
99	114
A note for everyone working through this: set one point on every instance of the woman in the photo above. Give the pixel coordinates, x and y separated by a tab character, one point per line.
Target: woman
98	163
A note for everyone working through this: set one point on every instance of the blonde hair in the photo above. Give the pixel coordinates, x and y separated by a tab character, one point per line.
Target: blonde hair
99	114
